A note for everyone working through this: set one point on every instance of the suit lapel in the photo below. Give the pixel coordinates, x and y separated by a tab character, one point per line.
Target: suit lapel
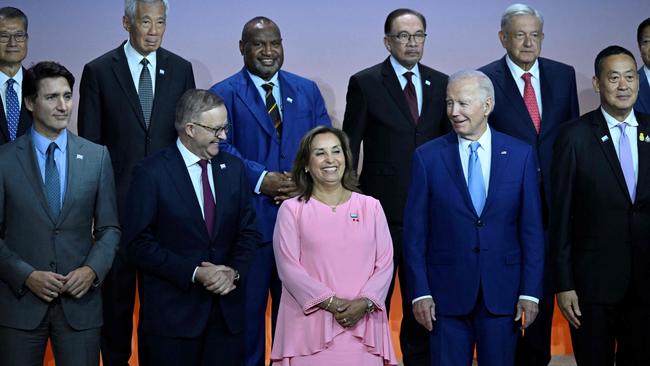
178	175
547	99
389	79
27	159
248	93
220	191
289	97
163	78
4	126
644	155
124	79
451	159
644	90
600	130
511	91
498	165
75	168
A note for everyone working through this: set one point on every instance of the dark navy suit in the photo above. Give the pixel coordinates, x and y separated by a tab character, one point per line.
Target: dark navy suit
643	101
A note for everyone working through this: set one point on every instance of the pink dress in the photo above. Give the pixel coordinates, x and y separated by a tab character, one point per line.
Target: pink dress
320	253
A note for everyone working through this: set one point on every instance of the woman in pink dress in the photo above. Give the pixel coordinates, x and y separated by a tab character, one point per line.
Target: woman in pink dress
334	256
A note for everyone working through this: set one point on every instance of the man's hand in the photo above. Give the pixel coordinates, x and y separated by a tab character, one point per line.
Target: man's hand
567	301
279	185
78	282
424	311
530	308
217	279
349	312
46	285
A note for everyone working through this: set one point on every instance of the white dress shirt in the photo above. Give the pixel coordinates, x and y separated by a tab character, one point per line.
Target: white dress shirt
133	58
415	78
632	136
517	72
18	88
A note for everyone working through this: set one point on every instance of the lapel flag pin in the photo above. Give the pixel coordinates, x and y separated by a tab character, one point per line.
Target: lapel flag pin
647	139
161	72
355	217
604	138
222	166
289	100
504	152
80	157
427	82
641	136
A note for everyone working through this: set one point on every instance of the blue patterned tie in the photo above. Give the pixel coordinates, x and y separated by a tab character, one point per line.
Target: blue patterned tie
145	92
13	109
475	182
52	182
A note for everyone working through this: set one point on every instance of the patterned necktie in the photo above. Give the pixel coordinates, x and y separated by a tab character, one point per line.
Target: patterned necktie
475	182
272	108
145	92
530	100
52	182
625	157
411	97
208	199
13	109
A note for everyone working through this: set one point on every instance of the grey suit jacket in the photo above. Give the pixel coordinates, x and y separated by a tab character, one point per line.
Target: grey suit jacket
86	232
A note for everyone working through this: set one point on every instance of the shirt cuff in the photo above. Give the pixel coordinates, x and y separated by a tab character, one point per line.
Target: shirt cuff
421	298
529	298
259	182
194	274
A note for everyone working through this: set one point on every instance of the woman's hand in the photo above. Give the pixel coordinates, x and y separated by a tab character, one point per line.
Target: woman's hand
349	312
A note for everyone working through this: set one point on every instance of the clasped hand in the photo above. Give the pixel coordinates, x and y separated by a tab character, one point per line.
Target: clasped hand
49	285
218	279
346	312
278	185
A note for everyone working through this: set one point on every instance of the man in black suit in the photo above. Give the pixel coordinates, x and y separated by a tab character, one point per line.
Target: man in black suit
394	107
14	117
127	104
534	97
600	221
190	229
643	39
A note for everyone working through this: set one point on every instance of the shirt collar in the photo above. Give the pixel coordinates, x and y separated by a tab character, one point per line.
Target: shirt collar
518	71
42	143
258	81
613	122
188	157
18	78
485	141
400	69
134	57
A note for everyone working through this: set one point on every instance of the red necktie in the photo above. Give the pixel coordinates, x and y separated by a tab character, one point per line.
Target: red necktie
530	100
411	97
208	199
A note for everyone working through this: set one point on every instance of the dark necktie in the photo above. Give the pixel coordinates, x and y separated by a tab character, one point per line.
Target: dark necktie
272	108
411	97
625	158
208	199
52	182
530	100
13	109
145	92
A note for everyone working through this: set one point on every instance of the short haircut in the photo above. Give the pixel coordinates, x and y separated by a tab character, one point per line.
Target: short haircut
610	51
304	181
192	103
9	12
520	9
639	31
131	5
245	33
398	13
484	82
40	71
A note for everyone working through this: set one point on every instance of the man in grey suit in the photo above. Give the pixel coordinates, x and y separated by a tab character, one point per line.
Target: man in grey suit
58	231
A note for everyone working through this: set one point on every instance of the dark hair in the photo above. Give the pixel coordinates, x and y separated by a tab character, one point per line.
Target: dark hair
304	181
398	13
44	70
639	31
610	51
194	102
9	12
245	33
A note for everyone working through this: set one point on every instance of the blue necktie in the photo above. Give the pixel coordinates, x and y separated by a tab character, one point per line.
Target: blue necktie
627	164
13	109
475	182
52	182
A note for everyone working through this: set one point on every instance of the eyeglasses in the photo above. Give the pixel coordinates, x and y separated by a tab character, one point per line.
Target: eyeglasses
18	37
217	131
405	37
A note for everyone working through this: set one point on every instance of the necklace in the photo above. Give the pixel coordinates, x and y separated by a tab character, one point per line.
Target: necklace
332	207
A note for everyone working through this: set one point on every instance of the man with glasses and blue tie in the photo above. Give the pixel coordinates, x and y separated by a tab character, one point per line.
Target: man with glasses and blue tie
14	118
473	236
394	107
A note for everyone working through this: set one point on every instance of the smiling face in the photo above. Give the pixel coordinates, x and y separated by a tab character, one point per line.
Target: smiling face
617	85
644	46
51	107
468	108
522	38
203	142
326	160
262	49
146	32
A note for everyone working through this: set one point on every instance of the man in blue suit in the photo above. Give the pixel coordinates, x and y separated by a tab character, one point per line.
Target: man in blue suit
190	230
474	243
534	97
643	38
270	110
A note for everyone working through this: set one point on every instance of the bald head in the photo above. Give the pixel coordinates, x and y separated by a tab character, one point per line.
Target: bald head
261	47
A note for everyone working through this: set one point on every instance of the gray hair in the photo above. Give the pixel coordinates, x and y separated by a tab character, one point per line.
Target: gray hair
484	82
192	103
520	9
130	5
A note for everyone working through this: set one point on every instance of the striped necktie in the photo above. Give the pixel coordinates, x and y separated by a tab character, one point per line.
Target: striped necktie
272	108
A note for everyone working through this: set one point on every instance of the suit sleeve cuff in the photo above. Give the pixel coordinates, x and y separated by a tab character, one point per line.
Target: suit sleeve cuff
421	298
529	298
258	186
194	274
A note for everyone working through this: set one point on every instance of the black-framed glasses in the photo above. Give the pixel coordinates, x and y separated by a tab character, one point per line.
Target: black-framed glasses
405	37
217	131
19	37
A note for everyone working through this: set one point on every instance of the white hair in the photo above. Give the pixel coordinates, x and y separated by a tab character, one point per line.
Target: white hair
484	82
130	5
520	9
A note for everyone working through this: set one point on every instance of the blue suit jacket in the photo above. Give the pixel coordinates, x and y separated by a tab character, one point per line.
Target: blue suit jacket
166	237
450	252
559	105
253	137
643	101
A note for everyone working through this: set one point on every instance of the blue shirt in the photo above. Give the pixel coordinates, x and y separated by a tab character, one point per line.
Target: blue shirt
41	144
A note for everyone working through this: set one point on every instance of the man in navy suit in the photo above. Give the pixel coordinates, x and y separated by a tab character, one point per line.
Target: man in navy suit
643	38
14	117
190	229
534	97
270	110
474	243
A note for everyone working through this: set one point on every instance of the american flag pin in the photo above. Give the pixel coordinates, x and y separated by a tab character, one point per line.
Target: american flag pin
604	138
222	166
504	152
161	72
427	82
289	100
80	157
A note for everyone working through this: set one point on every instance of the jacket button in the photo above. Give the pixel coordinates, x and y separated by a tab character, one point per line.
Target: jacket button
477	249
479	223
